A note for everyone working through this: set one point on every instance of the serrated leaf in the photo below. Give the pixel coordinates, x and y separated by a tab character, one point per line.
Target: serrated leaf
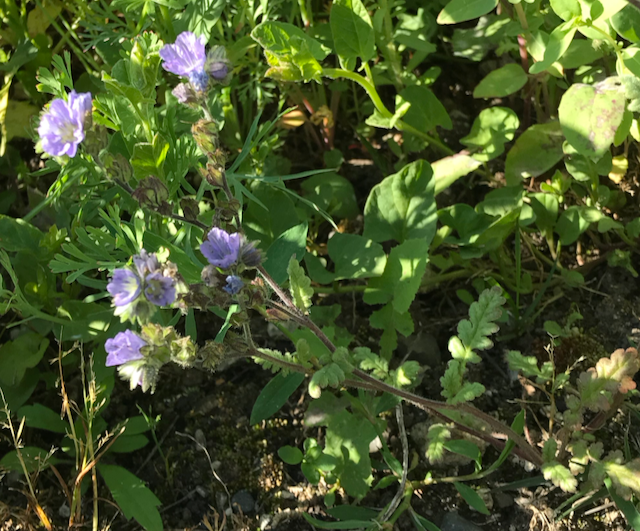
527	364
468	392
299	285
482	314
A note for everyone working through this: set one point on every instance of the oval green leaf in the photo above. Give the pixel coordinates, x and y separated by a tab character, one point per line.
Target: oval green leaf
501	82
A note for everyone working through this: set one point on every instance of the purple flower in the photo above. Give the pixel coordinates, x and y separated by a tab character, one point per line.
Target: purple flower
234	284
61	128
123	348
159	290
124	287
146	263
221	249
186	57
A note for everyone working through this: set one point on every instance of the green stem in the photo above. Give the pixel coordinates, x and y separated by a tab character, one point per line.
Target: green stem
370	88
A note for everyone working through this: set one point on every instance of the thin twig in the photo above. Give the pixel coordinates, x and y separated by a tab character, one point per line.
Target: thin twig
405	465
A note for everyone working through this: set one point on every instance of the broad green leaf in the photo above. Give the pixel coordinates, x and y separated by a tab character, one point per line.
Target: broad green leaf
260	223
448	170
17	235
290	455
276	38
134	499
571	225
347	440
425	111
274	395
18	355
39	416
536	151
502	201
501	82
348	524
558	43
332	193
299	285
627	23
471	497
590	116
352	30
402	206
462	10
353	512
422	524
566	9
465	448
128	443
402	276
545	207
355	256
291	242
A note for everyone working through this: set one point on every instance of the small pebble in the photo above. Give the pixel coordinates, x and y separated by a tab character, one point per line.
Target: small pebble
454	522
201	491
64	511
244	500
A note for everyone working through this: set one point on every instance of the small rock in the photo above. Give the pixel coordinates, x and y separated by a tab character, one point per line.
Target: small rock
375	445
503	499
64	511
202	440
454	522
186	515
286	495
244	500
201	491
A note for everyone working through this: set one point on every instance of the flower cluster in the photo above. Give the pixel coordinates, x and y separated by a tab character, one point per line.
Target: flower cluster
138	290
62	127
187	58
227	251
139	357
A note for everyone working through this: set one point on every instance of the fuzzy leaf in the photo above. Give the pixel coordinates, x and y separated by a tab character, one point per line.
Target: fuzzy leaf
467	392
438	435
599	384
299	285
560	476
528	365
272	365
625	477
406	374
451	380
368	361
330	375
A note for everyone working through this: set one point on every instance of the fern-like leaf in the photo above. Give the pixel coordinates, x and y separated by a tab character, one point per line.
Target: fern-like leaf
474	332
299	285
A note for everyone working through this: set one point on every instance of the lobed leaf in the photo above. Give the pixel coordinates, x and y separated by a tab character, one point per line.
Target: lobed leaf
299	285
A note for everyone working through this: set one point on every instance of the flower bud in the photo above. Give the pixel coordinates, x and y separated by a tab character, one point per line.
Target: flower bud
190	208
185	93
212	354
276	316
205	133
183	351
212	174
218	65
153	193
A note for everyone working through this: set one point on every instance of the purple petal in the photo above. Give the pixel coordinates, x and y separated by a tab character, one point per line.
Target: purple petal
123	348
160	290
124	287
185	56
221	249
61	128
